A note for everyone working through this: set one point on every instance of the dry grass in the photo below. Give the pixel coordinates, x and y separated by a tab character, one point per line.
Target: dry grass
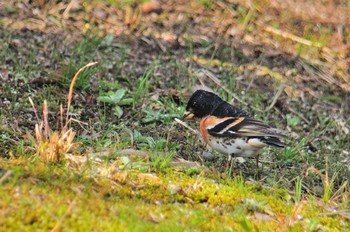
53	146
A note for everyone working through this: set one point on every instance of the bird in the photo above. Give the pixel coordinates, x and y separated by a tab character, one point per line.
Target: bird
229	129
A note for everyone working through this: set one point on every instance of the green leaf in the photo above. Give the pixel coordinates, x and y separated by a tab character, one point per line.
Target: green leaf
292	120
152	116
126	101
113	98
118	111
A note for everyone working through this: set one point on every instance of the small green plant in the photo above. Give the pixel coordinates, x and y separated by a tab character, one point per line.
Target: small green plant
145	141
84	52
160	161
153	116
324	120
328	187
328	184
143	86
291	152
298	185
117	100
293	120
105	86
239	181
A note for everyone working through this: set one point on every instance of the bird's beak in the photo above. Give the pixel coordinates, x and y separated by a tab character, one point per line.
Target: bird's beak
187	116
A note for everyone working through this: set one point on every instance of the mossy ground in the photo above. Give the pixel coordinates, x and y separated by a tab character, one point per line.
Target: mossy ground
38	196
135	168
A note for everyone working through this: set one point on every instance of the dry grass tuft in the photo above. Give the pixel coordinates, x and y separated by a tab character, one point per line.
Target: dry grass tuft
53	146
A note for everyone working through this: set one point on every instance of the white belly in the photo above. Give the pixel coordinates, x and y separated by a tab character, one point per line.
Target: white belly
237	147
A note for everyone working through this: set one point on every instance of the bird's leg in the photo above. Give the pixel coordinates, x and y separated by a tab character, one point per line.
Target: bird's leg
257	166
229	165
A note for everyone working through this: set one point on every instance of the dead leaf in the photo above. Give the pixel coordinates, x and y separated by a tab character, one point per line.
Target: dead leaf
151	6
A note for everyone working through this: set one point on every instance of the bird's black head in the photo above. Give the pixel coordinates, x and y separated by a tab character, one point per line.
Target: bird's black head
227	110
201	104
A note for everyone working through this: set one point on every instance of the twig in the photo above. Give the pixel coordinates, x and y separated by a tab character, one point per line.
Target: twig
46	120
247	18
315	170
182	123
68	8
275	98
70	94
61	116
35	112
290	36
79	122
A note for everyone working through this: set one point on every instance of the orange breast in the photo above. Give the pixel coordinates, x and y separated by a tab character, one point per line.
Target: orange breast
203	129
207	122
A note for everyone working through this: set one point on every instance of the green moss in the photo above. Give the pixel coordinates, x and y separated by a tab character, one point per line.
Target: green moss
45	196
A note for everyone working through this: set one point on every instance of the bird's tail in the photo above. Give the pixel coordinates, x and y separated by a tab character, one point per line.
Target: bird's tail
274	141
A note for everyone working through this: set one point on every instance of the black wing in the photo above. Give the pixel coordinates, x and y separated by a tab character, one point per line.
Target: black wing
246	127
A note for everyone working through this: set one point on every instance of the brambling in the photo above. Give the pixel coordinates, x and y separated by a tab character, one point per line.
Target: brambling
228	129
